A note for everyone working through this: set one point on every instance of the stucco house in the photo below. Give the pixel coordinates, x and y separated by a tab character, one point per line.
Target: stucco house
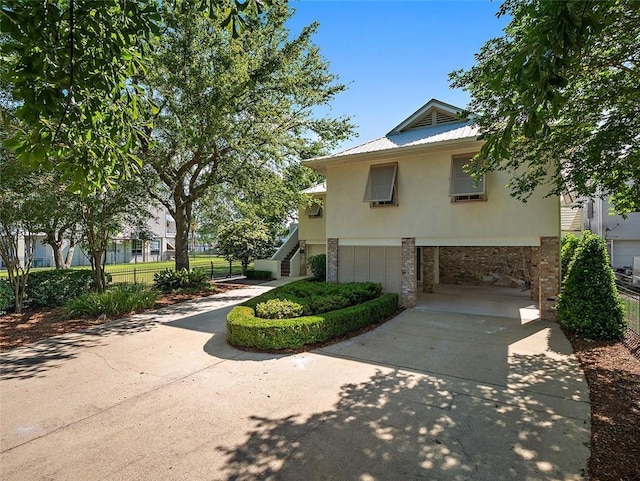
402	211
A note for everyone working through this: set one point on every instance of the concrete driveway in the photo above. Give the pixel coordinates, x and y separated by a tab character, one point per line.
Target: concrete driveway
449	390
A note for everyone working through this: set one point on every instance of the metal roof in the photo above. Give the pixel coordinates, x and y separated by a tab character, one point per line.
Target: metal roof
412	138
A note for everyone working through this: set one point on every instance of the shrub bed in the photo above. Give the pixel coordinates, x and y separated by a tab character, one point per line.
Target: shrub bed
52	288
244	329
170	280
318	297
113	302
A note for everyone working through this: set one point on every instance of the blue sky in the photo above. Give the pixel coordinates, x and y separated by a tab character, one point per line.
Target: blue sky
396	55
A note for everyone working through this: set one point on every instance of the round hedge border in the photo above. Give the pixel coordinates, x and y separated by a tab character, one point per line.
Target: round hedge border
246	330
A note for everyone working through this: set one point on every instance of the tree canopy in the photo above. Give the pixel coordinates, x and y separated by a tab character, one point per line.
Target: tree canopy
74	67
557	99
236	113
244	240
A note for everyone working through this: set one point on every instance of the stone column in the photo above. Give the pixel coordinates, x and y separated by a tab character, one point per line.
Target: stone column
332	260
428	266
409	282
303	258
549	274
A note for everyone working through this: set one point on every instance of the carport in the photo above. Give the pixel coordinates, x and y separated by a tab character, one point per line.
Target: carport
488	300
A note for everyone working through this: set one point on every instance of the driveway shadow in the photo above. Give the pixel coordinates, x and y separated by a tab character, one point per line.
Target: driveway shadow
402	425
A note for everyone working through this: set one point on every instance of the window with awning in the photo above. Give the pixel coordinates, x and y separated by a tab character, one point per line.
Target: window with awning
381	185
462	186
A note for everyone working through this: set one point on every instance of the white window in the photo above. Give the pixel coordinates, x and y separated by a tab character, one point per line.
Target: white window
381	185
136	246
314	210
462	186
155	246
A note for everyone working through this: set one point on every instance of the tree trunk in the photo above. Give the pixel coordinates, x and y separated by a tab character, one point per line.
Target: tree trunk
56	245
68	260
183	218
97	269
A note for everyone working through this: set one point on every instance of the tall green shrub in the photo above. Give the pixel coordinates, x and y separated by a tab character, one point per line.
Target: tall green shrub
589	303
567	250
318	266
54	287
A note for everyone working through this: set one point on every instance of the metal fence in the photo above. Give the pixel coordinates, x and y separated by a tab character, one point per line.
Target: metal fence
144	274
630	295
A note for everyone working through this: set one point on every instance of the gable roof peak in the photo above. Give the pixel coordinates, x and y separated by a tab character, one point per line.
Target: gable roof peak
434	112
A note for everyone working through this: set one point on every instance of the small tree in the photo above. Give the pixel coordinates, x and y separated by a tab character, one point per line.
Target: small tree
244	240
588	303
18	200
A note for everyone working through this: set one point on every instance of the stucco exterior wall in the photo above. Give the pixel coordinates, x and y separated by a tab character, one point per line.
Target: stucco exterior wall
425	211
313	229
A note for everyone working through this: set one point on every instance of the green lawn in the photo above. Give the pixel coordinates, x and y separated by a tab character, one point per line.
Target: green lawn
142	272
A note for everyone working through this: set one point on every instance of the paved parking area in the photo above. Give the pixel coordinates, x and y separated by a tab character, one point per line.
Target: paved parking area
449	390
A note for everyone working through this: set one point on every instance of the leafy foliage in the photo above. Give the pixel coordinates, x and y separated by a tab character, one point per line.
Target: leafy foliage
75	69
244	240
236	114
244	329
558	99
52	288
278	309
170	279
318	266
589	303
6	296
568	247
114	302
79	98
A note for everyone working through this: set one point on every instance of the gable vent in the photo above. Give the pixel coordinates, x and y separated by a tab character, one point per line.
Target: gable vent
442	117
433	117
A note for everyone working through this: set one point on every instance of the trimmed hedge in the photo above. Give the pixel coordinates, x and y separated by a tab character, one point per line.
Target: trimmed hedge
254	274
318	297
244	329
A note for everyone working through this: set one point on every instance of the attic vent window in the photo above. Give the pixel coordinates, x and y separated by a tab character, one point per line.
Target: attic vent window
462	187
381	185
434	117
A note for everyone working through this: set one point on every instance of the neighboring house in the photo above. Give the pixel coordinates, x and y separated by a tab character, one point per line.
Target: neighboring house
402	211
622	235
124	248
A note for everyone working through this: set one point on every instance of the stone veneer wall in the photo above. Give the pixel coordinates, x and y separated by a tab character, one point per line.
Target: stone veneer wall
428	265
332	260
549	274
476	265
535	277
409	283
303	258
